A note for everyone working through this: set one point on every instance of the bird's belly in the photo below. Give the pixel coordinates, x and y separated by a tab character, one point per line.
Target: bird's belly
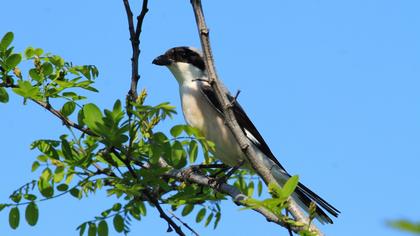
199	114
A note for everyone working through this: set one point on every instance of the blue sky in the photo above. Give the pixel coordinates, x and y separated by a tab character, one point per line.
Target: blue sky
331	85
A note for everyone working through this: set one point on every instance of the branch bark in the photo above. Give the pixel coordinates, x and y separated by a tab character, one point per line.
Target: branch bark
183	223
221	91
135	45
188	175
65	120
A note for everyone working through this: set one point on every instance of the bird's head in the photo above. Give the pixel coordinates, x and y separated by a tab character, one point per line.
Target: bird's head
185	63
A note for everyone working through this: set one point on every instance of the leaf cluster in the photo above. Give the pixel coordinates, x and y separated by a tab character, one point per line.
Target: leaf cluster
119	150
116	149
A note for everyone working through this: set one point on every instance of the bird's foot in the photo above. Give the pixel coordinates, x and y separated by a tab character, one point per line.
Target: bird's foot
223	179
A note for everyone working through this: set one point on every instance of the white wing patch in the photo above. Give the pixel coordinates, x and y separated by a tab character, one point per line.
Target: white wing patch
251	137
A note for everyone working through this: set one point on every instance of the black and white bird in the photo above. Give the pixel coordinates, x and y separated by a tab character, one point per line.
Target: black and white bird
203	111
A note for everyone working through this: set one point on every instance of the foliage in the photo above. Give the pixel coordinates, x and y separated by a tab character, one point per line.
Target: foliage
116	150
279	202
406	226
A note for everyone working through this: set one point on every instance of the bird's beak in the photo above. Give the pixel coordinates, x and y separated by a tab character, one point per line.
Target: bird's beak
162	60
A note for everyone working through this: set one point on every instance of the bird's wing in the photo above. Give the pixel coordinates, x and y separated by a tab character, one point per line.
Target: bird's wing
243	120
305	194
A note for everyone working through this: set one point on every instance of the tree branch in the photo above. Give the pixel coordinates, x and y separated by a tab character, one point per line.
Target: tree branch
167	218
63	118
135	45
190	175
249	150
185	224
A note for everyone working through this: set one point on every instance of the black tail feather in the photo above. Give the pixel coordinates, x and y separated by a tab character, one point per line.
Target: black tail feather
307	196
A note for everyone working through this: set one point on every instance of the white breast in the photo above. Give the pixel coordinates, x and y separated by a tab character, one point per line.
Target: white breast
199	113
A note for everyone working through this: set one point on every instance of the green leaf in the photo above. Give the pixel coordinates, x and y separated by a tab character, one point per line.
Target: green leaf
14	218
216	222
200	215
290	185
29	52
16	197
29	197
4	96
47	68
38	51
57	61
117	107
35	75
92	116
2	206
92	229
62	187
25	89
80	118
68	108
406	226
102	228
82	229
178	157
35	166
260	187
177	130
250	189
45	188
76	193
58	174
31	214
209	218
142	208
116	207
312	211
46	174
187	209
6	41
44	185
193	151
118	223
12	61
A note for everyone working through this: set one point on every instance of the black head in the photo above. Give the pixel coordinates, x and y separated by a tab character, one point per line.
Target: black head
180	54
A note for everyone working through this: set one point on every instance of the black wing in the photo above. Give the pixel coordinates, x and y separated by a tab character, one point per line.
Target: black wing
251	132
244	122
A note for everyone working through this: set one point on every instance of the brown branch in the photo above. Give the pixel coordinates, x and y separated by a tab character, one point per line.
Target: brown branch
135	45
189	175
63	118
185	224
249	150
140	18
164	216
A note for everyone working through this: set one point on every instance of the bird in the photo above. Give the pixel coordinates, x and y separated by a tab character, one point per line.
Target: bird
203	111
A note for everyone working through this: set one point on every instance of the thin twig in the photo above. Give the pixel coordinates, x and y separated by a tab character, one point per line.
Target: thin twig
249	150
185	224
63	118
135	45
164	216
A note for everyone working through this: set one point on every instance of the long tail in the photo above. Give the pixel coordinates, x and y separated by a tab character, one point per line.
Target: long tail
304	196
